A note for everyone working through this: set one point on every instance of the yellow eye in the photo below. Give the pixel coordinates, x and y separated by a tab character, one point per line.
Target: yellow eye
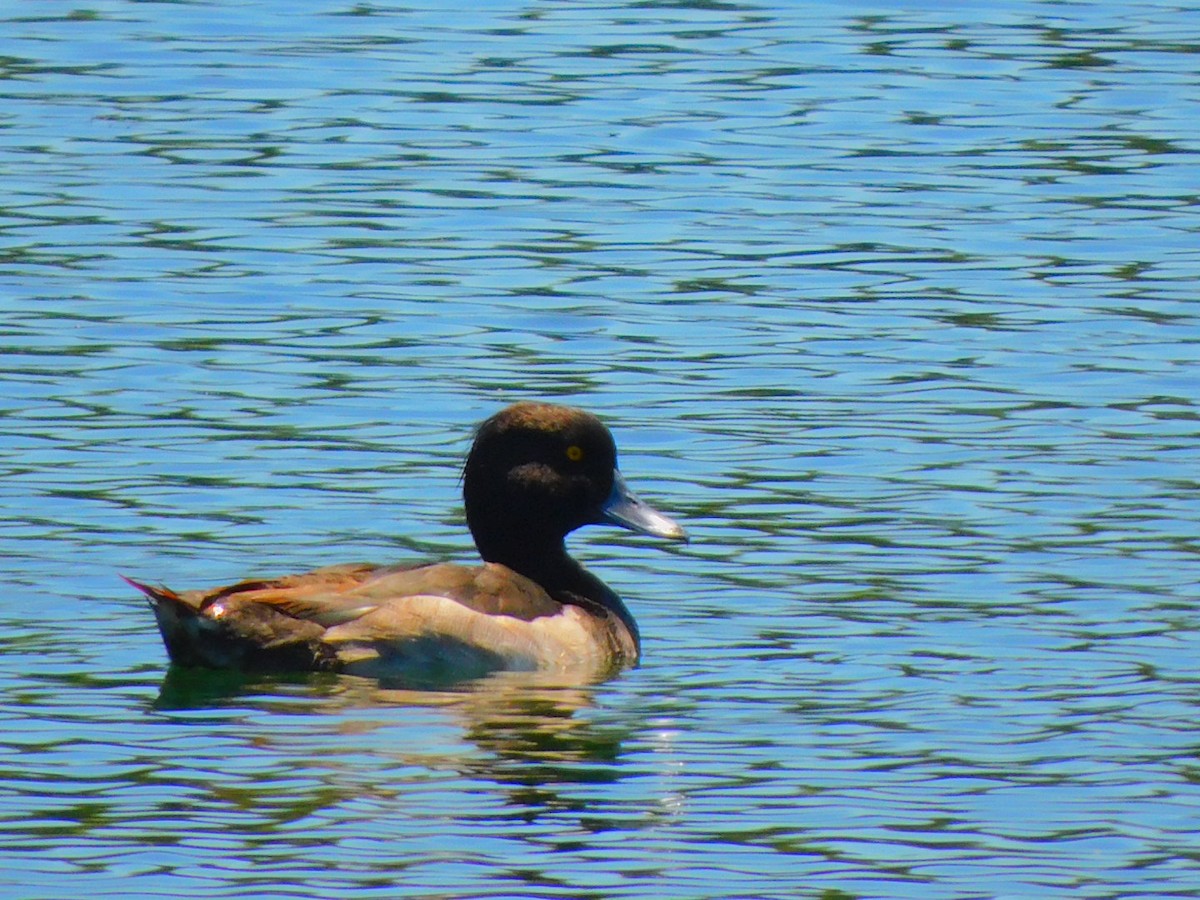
574	453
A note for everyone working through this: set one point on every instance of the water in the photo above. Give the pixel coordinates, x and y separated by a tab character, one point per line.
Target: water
893	305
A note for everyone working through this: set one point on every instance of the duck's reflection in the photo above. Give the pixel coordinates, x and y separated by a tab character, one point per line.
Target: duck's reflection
528	723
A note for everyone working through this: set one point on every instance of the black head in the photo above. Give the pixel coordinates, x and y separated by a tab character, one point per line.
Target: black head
538	471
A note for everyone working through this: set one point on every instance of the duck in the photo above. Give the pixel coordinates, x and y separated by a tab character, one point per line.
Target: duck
535	473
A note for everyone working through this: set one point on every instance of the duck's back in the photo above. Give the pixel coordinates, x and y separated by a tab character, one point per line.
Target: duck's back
392	621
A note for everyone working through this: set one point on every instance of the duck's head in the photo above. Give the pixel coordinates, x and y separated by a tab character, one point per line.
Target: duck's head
538	471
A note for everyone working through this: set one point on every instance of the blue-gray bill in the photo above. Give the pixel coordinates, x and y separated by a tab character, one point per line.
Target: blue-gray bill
624	508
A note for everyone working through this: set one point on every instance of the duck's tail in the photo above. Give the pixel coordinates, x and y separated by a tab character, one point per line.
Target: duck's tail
155	595
200	632
185	630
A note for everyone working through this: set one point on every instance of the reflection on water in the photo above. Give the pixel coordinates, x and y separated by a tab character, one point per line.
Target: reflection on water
526	723
894	306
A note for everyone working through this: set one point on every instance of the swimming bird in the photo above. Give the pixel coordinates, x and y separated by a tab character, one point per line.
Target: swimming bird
535	473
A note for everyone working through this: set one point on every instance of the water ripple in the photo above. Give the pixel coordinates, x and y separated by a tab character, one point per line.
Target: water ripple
892	306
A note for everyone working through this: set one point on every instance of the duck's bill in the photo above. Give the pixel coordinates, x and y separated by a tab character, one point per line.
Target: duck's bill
625	509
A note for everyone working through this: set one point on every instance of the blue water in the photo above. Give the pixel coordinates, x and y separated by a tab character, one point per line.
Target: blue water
893	305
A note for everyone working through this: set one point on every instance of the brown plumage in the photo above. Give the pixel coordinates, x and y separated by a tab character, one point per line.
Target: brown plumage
535	473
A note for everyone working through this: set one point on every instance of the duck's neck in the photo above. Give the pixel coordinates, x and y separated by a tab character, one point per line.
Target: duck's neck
559	573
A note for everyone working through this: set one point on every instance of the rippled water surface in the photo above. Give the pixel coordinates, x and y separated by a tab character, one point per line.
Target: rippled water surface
893	305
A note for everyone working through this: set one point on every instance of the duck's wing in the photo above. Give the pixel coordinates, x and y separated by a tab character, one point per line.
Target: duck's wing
340	594
431	616
325	597
439	622
490	589
448	622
